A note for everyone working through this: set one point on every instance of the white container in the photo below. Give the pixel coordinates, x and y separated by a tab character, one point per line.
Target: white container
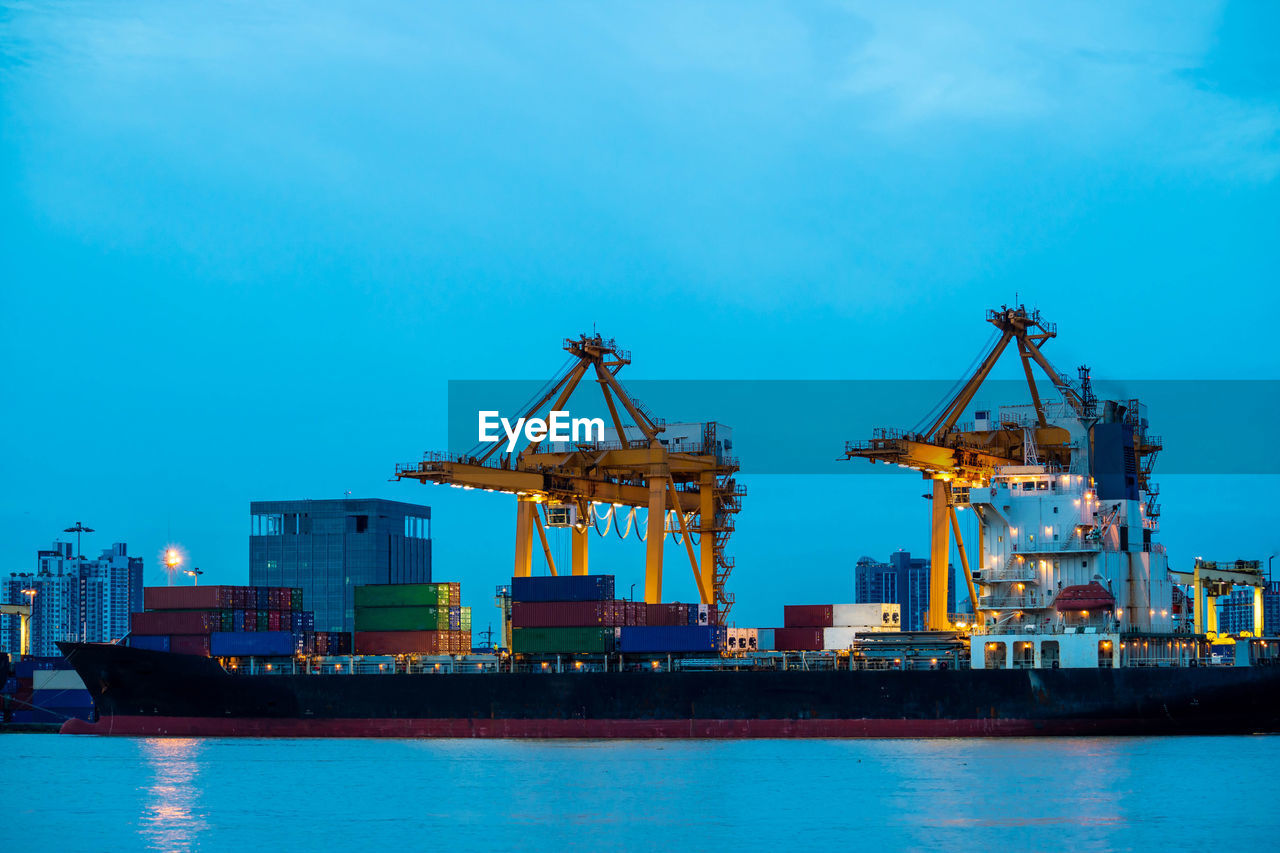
840	638
741	640
880	617
56	679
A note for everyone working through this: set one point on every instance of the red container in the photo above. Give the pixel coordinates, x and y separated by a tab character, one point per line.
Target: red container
155	622
567	614
667	614
797	639
251	620
188	597
273	620
637	613
189	644
401	642
807	616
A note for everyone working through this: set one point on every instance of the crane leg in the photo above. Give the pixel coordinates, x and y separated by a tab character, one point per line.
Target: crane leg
1197	611
580	540
524	537
657	533
707	538
939	557
1257	612
1211	613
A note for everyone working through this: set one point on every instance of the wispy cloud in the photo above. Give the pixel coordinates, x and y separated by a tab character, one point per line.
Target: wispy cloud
1100	77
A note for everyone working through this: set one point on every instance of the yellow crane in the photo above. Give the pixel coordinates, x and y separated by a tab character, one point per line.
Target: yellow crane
696	482
957	459
23	612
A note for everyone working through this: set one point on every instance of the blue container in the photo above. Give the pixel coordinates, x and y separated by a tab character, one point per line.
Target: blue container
764	639
256	643
671	638
237	620
295	621
564	588
308	620
61	699
24	668
263	596
159	643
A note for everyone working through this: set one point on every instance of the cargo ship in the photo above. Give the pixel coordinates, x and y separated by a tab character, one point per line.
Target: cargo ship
1079	624
143	692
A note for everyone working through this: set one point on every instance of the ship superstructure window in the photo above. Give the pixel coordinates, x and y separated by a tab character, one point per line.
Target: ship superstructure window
1024	655
1104	654
995	655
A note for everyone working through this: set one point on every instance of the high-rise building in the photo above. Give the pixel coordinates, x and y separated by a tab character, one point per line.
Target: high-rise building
327	548
73	598
903	580
1235	611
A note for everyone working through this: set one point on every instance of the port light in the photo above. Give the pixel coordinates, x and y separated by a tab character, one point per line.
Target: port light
268	666
577	664
655	664
544	665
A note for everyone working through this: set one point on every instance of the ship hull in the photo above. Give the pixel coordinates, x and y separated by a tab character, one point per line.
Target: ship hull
146	693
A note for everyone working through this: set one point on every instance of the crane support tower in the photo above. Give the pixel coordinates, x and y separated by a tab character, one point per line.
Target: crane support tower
560	484
958	458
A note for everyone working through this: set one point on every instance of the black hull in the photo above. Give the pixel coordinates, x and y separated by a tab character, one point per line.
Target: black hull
157	693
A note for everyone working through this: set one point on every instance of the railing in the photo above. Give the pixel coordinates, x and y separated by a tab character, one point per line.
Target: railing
1012	602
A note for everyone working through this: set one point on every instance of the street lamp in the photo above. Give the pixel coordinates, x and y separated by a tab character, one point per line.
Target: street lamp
195	574
78	529
172	559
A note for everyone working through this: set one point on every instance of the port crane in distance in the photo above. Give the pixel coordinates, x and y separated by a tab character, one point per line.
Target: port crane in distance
557	485
956	459
23	612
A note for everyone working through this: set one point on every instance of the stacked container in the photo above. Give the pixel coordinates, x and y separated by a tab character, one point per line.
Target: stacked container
411	618
817	627
47	690
230	621
578	613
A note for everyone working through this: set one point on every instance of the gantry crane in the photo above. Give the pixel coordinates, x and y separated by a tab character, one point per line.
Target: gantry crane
566	481
23	612
955	458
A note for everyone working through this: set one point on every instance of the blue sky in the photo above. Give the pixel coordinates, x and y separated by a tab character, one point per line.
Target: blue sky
244	247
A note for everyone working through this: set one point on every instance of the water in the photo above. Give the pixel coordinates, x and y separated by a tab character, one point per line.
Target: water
104	794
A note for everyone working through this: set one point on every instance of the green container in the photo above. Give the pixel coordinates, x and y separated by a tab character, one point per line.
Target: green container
430	618
539	641
401	595
262	620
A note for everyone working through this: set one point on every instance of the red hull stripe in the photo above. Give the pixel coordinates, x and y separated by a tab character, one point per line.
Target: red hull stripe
510	728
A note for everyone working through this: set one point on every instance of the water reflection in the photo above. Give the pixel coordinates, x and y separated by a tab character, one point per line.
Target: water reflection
171	818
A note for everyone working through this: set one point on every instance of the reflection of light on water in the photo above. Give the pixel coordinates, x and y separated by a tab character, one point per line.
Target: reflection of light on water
169	819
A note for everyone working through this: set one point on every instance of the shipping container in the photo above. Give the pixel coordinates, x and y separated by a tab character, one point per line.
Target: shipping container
155	643
666	614
259	643
425	618
562	640
76	697
636	613
250	620
567	614
765	639
671	638
188	597
840	637
189	644
740	640
703	614
56	679
264	620
402	595
798	639
885	617
400	643
175	622
807	615
563	588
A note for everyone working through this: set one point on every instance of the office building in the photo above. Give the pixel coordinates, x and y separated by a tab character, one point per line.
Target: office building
328	547
902	580
1235	611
